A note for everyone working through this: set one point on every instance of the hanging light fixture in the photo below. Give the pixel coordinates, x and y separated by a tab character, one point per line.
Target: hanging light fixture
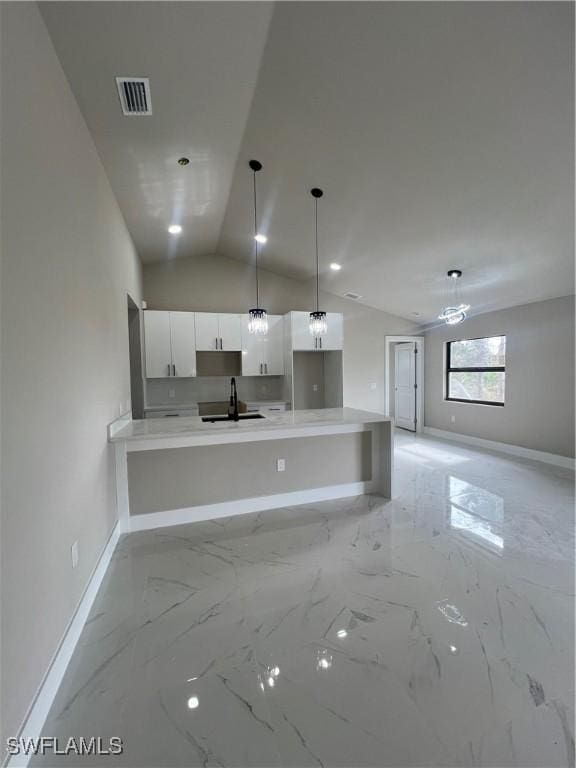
257	317
457	312
318	321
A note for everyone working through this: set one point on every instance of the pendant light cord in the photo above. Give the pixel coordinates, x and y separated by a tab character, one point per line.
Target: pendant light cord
256	242
317	262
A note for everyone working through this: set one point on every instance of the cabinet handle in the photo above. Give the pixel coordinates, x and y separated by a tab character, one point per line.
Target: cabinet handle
320	342
266	368
260	369
216	342
173	369
168	369
221	347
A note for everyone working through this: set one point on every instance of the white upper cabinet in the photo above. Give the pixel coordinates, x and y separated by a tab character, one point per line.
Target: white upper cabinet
302	339
216	331
157	344
263	355
169	344
207	333
334	336
230	329
183	343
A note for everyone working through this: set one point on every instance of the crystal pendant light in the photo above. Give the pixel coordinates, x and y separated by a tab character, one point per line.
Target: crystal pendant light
257	317
318	321
457	312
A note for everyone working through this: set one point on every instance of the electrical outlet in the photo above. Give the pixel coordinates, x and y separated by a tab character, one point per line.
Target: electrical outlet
315	387
74	554
453	419
171	393
281	465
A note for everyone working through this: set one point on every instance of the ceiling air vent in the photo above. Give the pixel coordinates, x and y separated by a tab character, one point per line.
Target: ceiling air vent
351	295
134	95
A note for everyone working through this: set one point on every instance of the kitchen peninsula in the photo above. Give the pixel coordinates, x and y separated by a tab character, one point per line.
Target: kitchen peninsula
172	471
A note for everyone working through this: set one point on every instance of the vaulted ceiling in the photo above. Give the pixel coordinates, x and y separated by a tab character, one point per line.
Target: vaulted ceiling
441	134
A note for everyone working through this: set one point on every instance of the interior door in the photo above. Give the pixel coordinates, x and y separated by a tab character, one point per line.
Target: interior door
405	386
182	334
252	351
207	333
157	344
230	331
273	346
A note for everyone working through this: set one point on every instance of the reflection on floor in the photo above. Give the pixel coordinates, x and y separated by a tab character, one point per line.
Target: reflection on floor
436	629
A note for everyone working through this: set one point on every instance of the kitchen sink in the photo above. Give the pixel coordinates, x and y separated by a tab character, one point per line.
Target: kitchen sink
241	417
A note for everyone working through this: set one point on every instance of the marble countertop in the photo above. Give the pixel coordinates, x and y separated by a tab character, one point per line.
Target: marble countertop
193	426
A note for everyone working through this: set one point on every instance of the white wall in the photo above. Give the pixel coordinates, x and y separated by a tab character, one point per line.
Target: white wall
539	408
217	283
67	264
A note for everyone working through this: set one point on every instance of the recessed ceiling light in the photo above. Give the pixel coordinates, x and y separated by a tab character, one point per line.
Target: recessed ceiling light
261	239
335	267
183	161
174	229
193	702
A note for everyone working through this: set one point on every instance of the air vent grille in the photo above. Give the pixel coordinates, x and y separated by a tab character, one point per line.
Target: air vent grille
351	295
134	95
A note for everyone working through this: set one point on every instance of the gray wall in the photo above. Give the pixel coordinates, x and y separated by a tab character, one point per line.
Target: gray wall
67	264
539	409
220	284
176	478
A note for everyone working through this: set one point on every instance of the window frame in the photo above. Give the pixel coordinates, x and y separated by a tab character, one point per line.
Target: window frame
470	369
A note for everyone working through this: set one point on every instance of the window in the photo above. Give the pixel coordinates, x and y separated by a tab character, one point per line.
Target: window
476	370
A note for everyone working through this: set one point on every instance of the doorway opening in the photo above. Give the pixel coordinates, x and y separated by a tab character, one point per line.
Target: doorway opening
404	381
135	352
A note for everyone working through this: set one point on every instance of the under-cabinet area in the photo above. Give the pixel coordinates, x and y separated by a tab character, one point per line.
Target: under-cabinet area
287	367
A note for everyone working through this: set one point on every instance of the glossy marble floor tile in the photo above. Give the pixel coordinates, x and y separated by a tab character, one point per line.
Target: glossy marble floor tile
433	630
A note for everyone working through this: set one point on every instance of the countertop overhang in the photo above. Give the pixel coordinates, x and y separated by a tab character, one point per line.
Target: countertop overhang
150	434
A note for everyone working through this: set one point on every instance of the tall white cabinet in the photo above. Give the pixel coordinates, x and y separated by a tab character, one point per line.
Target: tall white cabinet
263	355
170	348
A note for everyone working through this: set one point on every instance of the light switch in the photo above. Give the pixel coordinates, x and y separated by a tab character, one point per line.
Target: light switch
281	465
453	419
315	387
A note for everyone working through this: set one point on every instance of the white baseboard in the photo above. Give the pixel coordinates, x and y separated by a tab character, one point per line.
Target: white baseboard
244	506
38	712
493	445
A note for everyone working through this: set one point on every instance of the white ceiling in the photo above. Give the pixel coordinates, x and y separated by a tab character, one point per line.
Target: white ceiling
441	133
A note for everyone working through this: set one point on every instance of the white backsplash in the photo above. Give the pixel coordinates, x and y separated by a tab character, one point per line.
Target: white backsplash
202	389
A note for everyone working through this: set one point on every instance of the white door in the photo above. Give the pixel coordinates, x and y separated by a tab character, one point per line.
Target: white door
301	336
230	332
182	334
207	332
157	344
334	336
273	346
252	351
405	386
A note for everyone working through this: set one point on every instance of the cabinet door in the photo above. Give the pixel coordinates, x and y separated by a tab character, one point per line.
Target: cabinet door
183	343
273	346
334	337
230	332
301	336
252	351
207	334
157	344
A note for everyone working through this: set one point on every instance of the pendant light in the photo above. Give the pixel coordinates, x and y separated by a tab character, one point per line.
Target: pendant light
457	312
257	317
318	321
